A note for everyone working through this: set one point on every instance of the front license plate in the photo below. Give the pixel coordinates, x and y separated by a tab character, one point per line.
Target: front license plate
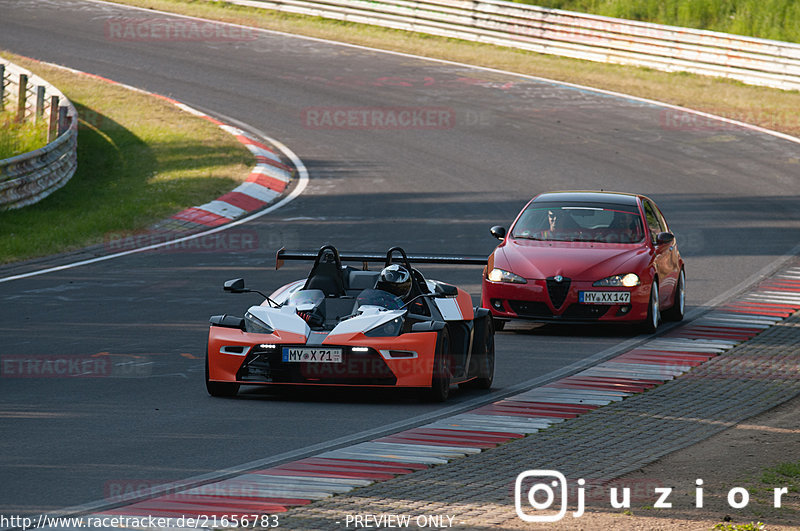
312	355
604	297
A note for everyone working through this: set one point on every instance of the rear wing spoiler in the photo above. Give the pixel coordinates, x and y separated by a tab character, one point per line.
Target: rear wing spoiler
387	257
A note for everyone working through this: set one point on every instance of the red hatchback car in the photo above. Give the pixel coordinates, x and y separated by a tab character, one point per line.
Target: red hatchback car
586	257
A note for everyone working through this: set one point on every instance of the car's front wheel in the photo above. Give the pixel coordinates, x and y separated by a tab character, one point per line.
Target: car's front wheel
219	389
650	325
442	377
678	309
485	375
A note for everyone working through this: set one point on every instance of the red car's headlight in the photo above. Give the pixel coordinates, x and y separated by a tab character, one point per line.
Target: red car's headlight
501	275
628	280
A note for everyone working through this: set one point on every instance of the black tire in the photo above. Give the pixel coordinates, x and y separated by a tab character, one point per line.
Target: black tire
220	389
650	325
678	309
486	368
442	377
499	324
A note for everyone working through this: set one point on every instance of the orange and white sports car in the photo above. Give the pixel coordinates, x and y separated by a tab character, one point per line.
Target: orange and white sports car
344	326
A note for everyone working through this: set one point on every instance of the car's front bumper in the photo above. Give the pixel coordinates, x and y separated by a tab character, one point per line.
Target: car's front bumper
246	358
560	302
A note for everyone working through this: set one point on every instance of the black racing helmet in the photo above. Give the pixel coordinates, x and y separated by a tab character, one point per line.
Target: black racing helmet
395	279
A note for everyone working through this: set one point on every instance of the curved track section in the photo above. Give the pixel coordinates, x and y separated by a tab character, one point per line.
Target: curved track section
478	146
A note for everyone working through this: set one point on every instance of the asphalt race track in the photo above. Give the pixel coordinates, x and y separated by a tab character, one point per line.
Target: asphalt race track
730	194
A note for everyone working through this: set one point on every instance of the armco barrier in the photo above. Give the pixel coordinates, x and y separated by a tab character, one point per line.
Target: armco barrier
591	37
30	177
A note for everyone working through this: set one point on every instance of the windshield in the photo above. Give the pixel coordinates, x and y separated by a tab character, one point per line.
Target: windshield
306	299
570	223
377	297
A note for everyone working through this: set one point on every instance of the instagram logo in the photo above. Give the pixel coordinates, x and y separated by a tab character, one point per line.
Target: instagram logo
535	494
538	489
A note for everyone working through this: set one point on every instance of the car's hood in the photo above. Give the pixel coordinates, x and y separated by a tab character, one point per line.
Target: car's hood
285	319
585	261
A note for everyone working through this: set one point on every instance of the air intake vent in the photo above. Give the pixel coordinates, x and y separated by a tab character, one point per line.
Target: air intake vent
558	290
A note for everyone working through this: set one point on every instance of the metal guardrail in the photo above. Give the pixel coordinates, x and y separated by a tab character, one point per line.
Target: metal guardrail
590	37
30	177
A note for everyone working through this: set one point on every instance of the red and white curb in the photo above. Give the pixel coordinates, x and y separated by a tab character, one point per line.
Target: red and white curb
266	182
276	489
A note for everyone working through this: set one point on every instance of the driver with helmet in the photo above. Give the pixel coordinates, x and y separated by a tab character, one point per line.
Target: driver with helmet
392	289
396	280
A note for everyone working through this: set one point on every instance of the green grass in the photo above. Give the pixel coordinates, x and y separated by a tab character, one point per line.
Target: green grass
783	475
20	137
752	526
140	160
766	19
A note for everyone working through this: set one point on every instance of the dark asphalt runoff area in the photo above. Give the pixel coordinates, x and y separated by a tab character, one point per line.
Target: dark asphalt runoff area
730	195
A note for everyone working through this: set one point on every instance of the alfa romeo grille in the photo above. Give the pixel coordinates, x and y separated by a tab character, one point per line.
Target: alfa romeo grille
558	290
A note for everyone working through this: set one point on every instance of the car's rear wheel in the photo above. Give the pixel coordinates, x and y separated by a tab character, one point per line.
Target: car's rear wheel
678	309
442	377
486	368
650	325
219	389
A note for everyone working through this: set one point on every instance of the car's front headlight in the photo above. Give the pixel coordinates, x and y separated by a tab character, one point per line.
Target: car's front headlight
255	325
389	329
627	280
501	275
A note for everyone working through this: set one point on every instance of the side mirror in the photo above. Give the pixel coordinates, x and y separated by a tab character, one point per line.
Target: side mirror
235	286
498	232
665	237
